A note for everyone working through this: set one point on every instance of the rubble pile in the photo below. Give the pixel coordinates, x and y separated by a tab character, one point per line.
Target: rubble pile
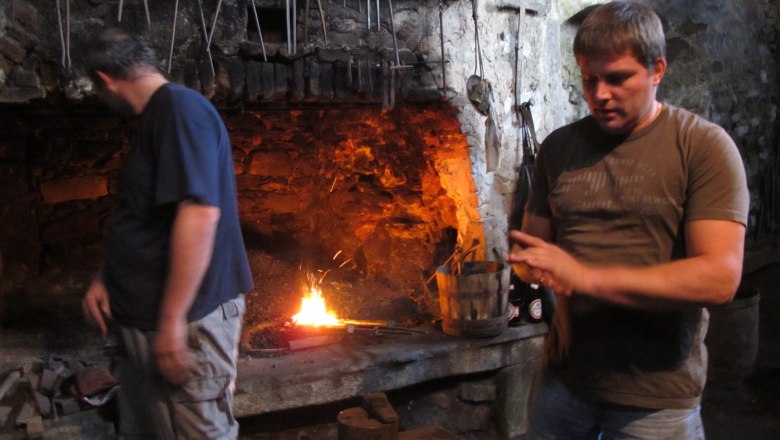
58	397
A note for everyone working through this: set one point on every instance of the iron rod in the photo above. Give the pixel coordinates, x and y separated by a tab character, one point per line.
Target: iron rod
148	18
206	37
322	20
62	34
214	24
287	21
67	31
173	35
259	32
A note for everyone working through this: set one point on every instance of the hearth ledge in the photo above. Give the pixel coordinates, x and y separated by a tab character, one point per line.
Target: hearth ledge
359	365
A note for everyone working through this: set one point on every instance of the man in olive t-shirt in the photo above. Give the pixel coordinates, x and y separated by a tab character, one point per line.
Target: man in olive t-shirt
636	220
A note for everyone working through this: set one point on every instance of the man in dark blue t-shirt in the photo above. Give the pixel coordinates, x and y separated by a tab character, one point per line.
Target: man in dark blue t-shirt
175	264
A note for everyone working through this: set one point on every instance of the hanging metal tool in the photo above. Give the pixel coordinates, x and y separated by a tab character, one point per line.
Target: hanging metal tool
369	79
392	31
378	18
294	25
519	57
349	72
522	114
214	24
478	88
148	19
67	32
173	35
392	84
384	71
322	21
259	32
306	23
287	22
533	8
525	178
62	33
206	37
368	14
210	35
441	41
360	76
480	93
119	12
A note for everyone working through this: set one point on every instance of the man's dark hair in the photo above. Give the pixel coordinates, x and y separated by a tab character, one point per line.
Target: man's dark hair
615	27
119	54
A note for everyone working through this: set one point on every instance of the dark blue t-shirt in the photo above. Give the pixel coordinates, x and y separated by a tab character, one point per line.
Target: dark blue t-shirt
180	151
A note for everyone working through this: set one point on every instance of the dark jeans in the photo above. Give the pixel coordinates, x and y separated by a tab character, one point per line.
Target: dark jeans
558	414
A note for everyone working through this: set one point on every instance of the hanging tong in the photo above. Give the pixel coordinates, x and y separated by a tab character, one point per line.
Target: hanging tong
257	23
206	37
173	35
64	34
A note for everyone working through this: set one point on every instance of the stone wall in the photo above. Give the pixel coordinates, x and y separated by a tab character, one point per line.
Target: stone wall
722	64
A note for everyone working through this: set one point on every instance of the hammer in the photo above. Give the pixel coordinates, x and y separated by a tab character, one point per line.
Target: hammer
521	7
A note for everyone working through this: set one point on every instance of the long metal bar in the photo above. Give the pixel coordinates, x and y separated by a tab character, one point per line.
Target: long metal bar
306	22
392	83
206	37
173	35
214	24
119	11
148	18
519	56
441	42
287	21
259	32
322	21
392	30
294	26
384	71
369	79
67	31
62	33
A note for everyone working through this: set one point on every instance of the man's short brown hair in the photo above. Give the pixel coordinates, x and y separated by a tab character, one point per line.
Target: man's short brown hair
615	27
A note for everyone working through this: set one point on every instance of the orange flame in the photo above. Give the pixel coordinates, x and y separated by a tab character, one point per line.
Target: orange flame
313	310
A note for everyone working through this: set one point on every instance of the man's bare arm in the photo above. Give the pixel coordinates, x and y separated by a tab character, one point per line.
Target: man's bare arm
709	275
192	245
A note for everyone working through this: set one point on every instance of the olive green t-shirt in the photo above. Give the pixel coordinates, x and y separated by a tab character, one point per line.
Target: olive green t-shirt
625	200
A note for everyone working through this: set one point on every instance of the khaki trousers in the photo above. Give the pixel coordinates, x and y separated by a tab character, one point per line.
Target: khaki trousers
151	408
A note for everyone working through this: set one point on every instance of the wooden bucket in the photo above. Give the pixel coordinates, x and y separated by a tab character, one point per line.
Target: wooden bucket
474	301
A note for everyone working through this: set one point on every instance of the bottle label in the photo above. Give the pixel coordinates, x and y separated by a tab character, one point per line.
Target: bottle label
535	309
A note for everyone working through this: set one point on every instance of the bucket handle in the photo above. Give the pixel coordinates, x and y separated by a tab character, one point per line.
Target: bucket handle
458	262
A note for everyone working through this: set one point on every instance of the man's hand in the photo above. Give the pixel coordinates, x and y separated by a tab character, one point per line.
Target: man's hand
95	306
708	275
171	353
549	264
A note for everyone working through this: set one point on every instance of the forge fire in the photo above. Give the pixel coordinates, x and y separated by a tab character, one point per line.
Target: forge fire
368	201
